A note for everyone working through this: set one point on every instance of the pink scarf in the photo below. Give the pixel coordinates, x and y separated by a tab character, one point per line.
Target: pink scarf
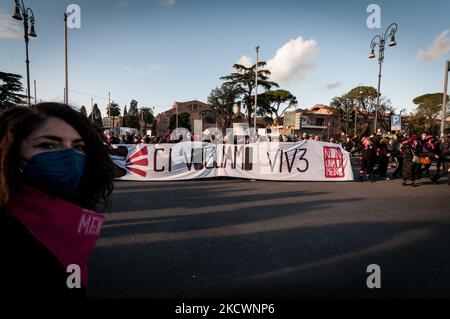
67	230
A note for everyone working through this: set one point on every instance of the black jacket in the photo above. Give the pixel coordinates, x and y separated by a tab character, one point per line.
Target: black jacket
29	270
369	153
445	151
395	149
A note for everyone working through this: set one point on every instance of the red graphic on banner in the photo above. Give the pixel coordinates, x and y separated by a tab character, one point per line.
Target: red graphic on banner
333	160
134	160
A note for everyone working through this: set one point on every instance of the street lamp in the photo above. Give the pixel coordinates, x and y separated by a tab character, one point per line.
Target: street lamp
256	86
22	13
380	40
66	72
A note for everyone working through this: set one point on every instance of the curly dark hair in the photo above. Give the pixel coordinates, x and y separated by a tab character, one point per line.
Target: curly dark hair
16	124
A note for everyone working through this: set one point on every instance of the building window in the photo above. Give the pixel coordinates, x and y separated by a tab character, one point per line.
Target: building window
209	117
305	120
320	121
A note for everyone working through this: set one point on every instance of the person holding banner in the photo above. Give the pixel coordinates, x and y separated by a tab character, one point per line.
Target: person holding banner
54	172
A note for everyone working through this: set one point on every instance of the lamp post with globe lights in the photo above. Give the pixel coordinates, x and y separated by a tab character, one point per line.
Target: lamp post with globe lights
26	14
381	40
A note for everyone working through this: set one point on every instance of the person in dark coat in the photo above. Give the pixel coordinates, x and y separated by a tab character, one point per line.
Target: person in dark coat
348	145
444	157
55	170
397	155
410	149
33	271
428	149
368	159
383	157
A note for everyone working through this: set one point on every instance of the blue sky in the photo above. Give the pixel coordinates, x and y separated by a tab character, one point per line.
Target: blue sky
160	51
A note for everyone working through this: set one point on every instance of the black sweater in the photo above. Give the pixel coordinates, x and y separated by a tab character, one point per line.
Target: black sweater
29	270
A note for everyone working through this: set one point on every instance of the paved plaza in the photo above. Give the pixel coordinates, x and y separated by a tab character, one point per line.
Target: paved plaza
235	238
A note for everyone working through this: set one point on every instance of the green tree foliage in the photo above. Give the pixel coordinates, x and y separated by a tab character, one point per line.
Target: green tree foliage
10	90
275	104
113	110
132	118
345	108
429	107
83	110
364	99
222	99
133	110
245	78
125	114
96	116
146	115
417	123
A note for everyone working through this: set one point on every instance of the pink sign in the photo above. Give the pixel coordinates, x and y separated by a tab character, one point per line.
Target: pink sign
333	161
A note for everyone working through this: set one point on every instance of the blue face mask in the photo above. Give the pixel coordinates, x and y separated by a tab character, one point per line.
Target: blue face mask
56	173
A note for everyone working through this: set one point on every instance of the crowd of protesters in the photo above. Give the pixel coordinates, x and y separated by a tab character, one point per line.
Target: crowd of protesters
412	157
132	138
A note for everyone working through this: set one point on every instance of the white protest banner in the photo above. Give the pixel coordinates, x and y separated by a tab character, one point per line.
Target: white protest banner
301	161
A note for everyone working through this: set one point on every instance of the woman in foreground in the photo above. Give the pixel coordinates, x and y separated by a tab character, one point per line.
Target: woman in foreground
54	172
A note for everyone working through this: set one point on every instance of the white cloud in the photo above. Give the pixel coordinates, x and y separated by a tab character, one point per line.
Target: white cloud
9	28
439	47
333	86
168	3
245	61
293	60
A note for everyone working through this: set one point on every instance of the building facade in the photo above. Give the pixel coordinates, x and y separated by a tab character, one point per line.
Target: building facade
184	114
109	121
319	119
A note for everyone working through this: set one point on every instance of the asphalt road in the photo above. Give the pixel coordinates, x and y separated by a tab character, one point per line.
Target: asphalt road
234	238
